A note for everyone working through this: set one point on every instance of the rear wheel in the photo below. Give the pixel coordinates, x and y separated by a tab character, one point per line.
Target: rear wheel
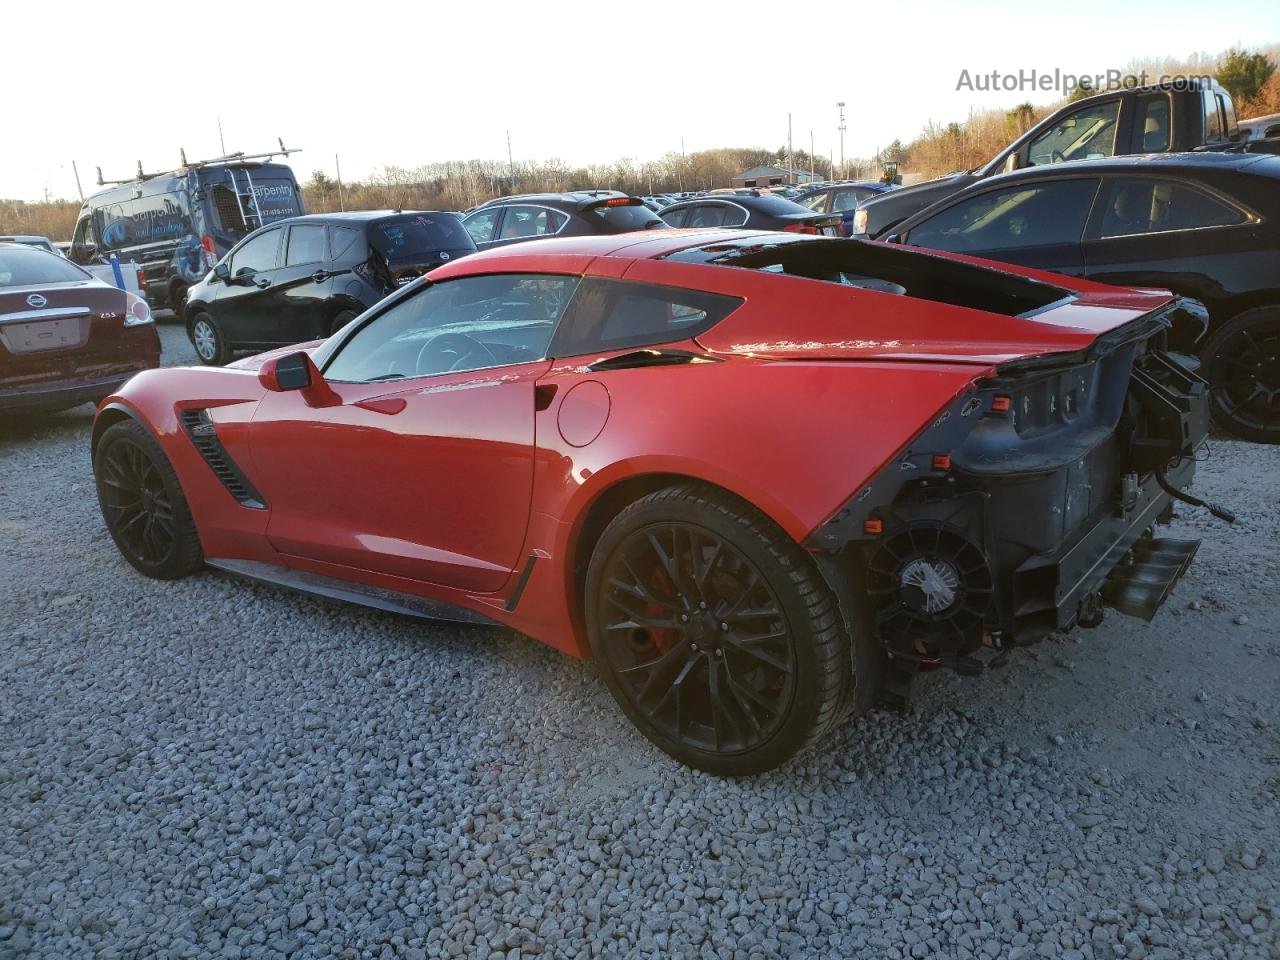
208	339
143	504
714	632
1242	365
178	297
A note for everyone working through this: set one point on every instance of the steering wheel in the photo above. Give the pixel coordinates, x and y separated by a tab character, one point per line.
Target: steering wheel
449	351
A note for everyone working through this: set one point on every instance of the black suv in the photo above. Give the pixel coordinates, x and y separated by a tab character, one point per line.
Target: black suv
307	277
532	216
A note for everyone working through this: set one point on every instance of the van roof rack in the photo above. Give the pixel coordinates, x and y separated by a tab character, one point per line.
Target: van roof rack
239	156
230	158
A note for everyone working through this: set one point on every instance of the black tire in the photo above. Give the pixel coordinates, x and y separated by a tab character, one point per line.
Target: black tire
209	341
1241	361
752	643
143	505
341	320
178	297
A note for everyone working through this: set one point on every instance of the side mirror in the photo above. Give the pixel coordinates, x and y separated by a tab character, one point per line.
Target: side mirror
1012	162
297	371
890	238
292	372
222	272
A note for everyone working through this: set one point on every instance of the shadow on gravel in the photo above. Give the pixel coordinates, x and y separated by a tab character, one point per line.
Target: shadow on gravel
19	427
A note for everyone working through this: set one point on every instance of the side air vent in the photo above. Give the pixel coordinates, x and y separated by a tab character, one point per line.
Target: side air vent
204	435
650	358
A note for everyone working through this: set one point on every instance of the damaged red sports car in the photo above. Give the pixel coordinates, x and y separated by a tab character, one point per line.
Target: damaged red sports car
761	479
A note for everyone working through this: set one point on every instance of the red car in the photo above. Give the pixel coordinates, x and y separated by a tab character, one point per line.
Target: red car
760	478
65	336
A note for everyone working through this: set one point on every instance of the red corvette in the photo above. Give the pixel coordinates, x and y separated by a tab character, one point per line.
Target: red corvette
760	478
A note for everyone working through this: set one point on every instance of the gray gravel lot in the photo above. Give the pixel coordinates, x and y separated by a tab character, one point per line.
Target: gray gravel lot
213	768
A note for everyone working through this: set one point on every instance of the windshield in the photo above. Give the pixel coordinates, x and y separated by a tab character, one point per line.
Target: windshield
621	219
25	266
409	236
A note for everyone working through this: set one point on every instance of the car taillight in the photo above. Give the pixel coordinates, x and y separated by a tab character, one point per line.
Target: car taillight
136	311
800	228
210	251
621	202
142	279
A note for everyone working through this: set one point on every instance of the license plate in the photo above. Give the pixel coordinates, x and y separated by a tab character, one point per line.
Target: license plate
42	335
830	231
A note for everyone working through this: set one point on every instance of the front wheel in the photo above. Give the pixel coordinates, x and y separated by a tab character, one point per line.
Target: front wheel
715	633
142	503
209	340
1242	365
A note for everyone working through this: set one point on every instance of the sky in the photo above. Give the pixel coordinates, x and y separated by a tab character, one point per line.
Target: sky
401	84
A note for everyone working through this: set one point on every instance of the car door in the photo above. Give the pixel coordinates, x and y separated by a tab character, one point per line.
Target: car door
295	306
1034	223
1161	232
421	466
241	305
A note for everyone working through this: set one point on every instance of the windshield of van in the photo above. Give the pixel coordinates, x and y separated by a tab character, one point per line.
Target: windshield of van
409	236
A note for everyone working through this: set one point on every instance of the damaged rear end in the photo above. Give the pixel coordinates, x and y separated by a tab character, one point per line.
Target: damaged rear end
1032	502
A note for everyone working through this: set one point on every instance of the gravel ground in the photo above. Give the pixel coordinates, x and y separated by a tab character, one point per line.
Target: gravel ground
216	769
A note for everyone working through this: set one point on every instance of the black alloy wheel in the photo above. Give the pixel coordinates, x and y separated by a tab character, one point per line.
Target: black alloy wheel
1242	365
715	633
698	639
142	503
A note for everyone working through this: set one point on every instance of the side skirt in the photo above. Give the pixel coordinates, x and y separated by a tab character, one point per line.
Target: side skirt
391	601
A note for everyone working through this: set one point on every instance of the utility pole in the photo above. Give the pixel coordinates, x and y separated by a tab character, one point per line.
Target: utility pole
77	173
842	129
813	161
221	143
791	166
342	203
511	163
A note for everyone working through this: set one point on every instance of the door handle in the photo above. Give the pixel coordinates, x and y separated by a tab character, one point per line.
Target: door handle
320	276
262	284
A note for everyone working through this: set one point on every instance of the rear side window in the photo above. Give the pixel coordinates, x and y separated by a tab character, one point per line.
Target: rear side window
607	315
522	222
623	219
713	215
844	200
1136	207
341	240
1153	124
1212	117
410	236
20	266
1036	215
306	244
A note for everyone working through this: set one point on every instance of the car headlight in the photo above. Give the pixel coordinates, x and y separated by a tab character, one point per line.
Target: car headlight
860	221
137	312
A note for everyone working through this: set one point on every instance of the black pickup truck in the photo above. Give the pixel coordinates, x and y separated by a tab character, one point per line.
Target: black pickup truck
1173	117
